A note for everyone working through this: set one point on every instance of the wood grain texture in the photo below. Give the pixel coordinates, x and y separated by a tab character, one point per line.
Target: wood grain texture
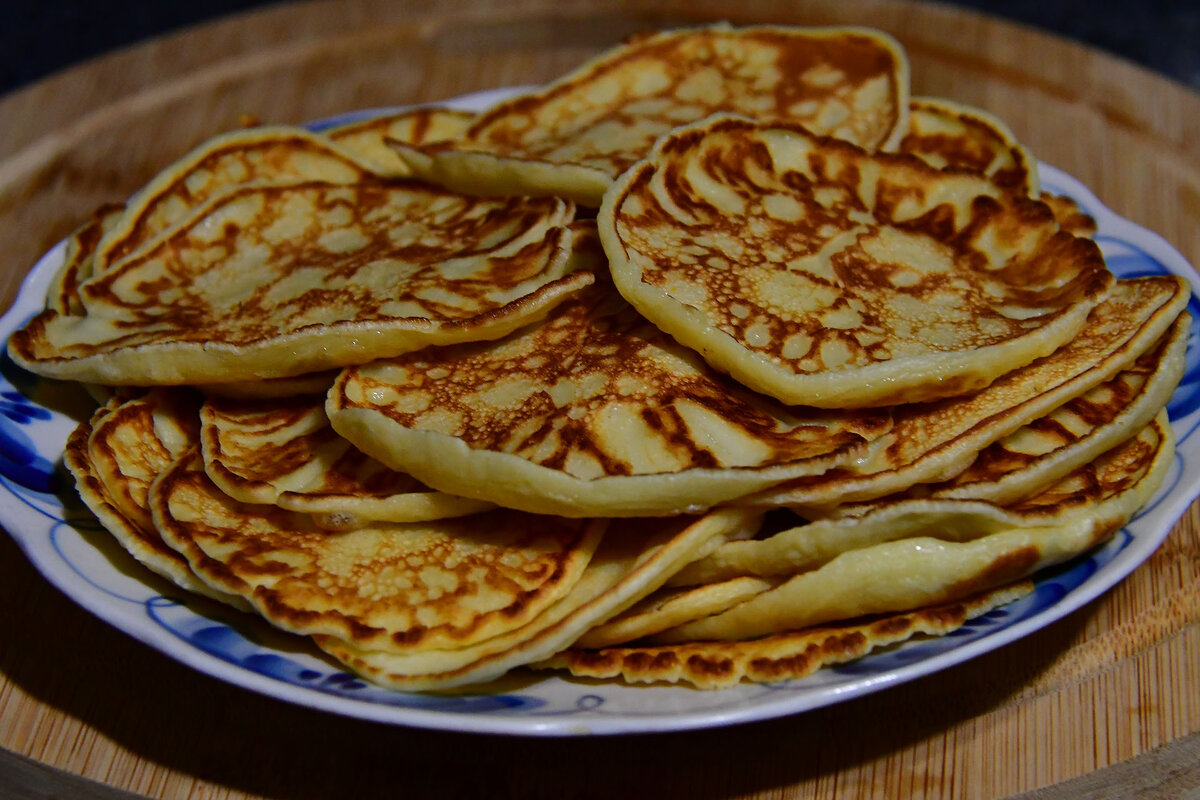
1108	684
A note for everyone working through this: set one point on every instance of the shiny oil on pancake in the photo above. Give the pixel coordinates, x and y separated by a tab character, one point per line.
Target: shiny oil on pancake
575	136
285	453
634	560
412	587
116	455
368	139
282	280
907	554
932	442
592	412
820	274
270	154
780	657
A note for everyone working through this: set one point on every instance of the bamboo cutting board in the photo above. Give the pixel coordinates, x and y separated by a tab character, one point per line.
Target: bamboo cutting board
1113	684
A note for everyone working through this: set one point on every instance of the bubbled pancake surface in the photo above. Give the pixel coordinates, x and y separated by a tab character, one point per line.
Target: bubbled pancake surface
282	280
284	452
960	548
783	656
934	441
270	154
821	274
577	134
593	411
419	586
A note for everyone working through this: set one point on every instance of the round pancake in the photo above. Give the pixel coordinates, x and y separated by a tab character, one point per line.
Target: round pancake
591	412
274	281
368	139
947	134
573	137
63	294
284	452
270	154
409	587
931	442
114	457
820	274
634	559
961	547
783	656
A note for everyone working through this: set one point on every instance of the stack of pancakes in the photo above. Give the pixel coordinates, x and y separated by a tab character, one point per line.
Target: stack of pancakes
719	358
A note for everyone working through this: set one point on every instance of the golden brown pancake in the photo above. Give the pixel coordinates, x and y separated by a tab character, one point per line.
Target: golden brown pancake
783	656
409	587
1071	218
115	456
820	274
368	139
930	442
948	134
284	452
266	154
274	281
63	295
592	412
906	554
575	136
634	559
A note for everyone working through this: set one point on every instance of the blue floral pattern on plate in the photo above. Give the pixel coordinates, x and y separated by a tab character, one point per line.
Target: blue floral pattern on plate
65	545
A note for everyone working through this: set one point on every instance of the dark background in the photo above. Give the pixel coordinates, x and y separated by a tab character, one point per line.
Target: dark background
37	39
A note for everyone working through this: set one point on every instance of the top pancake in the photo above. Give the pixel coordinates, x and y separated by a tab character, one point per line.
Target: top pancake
368	139
278	280
820	274
575	136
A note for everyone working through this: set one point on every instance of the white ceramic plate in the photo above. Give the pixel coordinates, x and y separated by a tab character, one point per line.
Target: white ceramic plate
39	507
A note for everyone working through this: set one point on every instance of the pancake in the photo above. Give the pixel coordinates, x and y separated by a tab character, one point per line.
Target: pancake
671	606
284	452
368	139
63	294
114	457
573	137
267	388
783	656
947	134
414	587
593	412
275	281
634	559
267	154
907	554
931	442
820	274
1071	218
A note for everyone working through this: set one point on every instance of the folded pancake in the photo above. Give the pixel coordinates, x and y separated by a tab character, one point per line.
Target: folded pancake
948	134
368	139
573	137
266	154
931	442
285	453
593	412
906	554
116	455
634	559
820	274
412	587
783	656
282	280
63	294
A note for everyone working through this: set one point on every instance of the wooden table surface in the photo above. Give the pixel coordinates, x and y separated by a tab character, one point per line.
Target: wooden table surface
1116	683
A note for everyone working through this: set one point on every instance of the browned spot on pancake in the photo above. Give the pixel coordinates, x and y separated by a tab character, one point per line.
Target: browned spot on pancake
1007	568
